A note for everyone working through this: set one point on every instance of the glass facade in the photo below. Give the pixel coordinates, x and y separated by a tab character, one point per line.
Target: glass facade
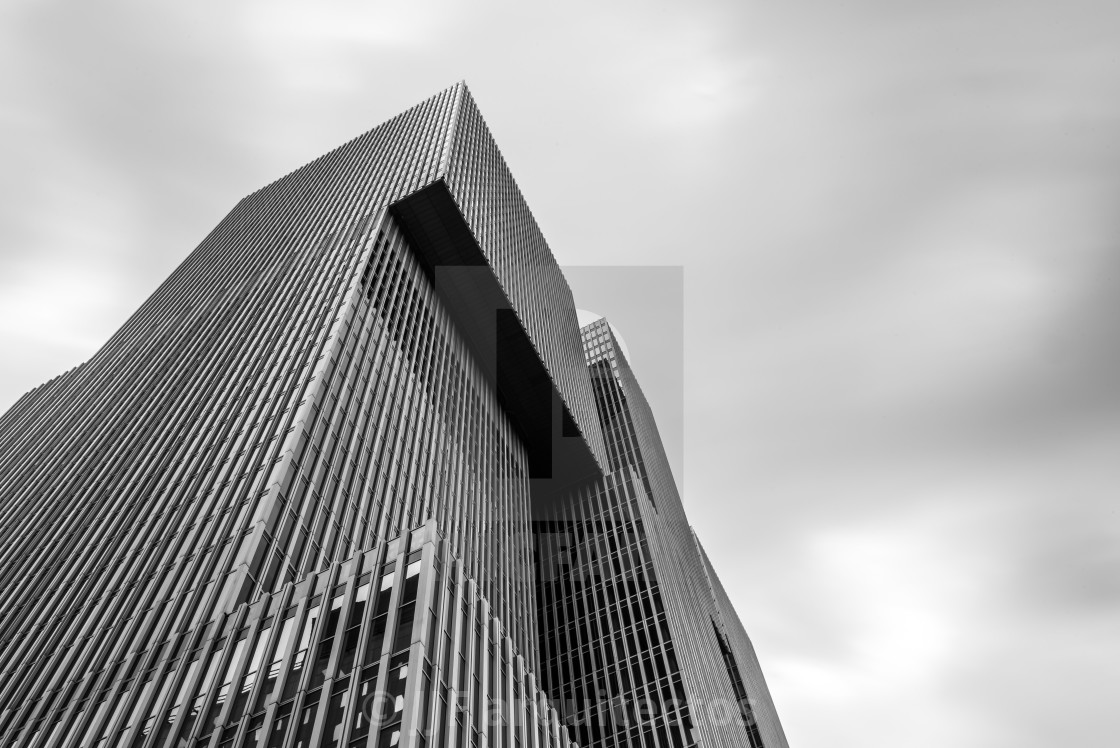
627	610
293	501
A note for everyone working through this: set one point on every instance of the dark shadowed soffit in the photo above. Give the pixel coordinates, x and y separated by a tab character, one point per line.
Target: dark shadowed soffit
468	286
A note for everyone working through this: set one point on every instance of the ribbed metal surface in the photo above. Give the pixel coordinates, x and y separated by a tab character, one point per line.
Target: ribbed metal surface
759	710
397	646
504	227
628	646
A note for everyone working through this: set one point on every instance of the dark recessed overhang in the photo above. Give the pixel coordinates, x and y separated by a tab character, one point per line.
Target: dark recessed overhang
481	309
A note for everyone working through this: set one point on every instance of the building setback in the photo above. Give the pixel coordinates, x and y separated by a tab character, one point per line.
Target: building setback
352	476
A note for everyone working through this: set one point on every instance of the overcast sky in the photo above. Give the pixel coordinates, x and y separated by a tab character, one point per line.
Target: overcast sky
897	229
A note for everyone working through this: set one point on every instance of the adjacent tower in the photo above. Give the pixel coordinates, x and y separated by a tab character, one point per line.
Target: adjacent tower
293	500
634	624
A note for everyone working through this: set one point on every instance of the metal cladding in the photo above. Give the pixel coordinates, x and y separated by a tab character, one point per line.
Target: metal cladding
629	651
291	501
756	707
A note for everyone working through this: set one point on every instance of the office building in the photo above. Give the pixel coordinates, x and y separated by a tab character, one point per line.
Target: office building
294	500
638	638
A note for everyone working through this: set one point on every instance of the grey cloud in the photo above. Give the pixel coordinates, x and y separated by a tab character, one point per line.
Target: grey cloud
849	205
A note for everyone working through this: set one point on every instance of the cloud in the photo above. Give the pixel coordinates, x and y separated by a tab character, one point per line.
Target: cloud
897	230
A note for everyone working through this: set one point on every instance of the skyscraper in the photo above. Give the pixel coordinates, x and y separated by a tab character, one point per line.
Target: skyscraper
638	638
293	500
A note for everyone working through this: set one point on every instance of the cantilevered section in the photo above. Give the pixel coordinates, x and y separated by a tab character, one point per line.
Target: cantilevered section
492	324
503	228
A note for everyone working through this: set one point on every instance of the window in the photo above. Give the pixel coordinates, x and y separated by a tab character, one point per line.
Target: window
292	683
